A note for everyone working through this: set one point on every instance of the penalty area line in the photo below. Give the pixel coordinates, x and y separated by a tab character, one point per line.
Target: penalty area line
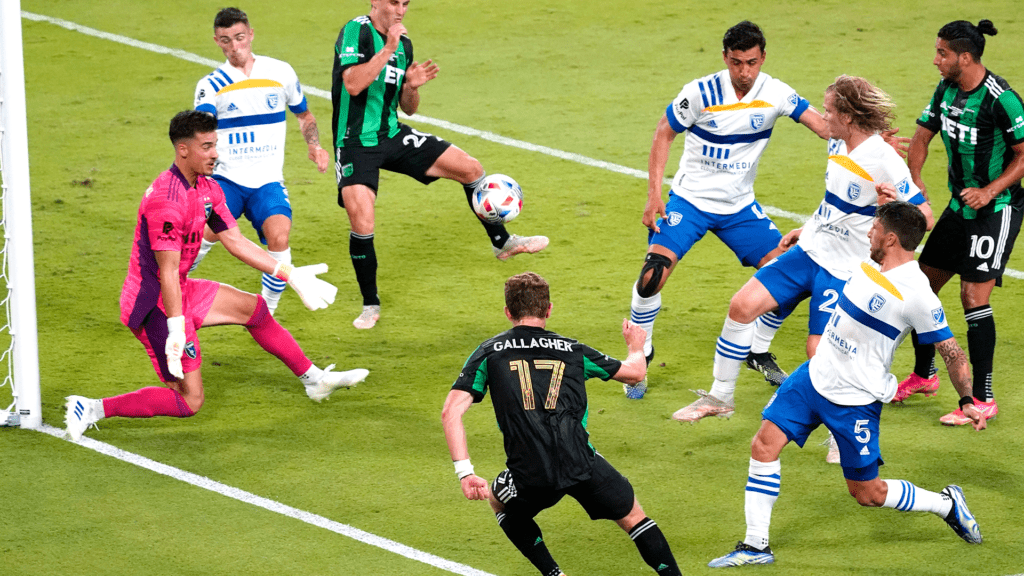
270	505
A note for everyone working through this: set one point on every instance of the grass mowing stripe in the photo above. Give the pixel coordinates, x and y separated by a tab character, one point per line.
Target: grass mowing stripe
451	126
271	505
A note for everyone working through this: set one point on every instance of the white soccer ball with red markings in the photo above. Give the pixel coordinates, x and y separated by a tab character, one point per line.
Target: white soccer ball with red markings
498	199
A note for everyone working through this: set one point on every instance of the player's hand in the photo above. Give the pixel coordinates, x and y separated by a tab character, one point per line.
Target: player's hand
886	193
321	157
634	335
977	418
419	74
175	345
395	34
900	144
475	487
976	198
315	293
790	239
654	209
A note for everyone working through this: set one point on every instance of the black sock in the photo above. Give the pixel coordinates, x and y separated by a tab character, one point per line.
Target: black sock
525	534
495	232
364	260
924	357
654	548
981	345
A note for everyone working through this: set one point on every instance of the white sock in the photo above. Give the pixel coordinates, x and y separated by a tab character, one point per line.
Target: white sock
730	353
642	312
764	332
906	497
311	376
763	480
273	287
204	248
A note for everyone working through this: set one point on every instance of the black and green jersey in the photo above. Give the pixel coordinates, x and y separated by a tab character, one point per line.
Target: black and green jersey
371	115
538	388
978	128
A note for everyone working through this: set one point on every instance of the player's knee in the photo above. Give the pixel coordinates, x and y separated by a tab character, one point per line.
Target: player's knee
741	309
473	170
655	266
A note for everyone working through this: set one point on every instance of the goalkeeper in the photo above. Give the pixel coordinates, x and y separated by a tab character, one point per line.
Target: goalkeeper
164	308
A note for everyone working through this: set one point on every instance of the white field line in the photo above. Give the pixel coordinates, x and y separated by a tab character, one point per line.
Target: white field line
271	505
457	128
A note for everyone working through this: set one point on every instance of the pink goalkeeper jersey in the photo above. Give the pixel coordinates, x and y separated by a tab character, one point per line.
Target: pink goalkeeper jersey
171	217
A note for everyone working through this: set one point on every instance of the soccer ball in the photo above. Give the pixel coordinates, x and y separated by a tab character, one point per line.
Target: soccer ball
498	199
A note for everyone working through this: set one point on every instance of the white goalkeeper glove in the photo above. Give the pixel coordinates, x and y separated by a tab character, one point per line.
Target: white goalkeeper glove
175	345
315	293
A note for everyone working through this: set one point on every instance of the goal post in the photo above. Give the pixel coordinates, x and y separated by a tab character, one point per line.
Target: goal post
17	276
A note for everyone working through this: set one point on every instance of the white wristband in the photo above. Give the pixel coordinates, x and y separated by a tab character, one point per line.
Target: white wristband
463	468
176	324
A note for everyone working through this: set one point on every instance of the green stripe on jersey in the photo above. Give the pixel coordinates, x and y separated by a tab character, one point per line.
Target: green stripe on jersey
480	380
592	370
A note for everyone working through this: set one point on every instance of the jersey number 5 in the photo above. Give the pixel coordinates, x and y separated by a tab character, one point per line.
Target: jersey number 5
557	368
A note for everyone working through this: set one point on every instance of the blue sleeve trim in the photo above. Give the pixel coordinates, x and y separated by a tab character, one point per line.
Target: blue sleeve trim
300	107
917	199
673	121
935	337
801	107
208	108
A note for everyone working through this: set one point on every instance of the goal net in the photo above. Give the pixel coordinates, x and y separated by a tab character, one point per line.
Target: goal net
20	403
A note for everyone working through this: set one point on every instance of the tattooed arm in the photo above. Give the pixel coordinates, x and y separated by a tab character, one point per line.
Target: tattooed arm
307	122
960	373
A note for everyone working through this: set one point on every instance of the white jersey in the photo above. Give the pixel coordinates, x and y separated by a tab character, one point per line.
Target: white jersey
871	319
726	137
251	119
836	237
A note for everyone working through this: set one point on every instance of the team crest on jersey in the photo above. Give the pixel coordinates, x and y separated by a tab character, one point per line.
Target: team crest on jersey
209	209
756	120
877	301
939	316
853	192
190	350
674	218
903	187
272	101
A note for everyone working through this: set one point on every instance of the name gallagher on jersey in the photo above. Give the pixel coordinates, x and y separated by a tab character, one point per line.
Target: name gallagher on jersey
551	343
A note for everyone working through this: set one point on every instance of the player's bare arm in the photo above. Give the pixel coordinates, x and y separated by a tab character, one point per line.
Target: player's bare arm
959	370
359	77
917	154
455	405
790	239
310	132
978	198
415	76
664	135
246	250
634	367
815	122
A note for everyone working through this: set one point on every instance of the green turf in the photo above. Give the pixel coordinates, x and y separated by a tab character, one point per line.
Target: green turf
590	78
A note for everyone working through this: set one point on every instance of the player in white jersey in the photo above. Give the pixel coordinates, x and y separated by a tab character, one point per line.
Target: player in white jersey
846	382
863	172
728	117
249	95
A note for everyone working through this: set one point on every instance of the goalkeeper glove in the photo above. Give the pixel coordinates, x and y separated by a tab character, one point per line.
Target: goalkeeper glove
175	345
314	292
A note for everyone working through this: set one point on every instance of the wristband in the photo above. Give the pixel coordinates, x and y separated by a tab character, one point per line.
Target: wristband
176	324
463	468
282	271
965	401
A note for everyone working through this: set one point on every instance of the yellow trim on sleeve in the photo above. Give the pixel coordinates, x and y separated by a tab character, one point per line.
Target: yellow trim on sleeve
258	83
739	106
881	280
849	164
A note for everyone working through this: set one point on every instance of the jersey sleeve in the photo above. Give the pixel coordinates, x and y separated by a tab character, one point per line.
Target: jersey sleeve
220	218
929	117
598	365
165	220
206	96
791	104
1009	117
897	174
926	315
684	109
348	50
293	92
473	378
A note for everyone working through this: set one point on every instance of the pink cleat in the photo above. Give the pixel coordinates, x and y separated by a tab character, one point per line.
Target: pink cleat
914	384
957	417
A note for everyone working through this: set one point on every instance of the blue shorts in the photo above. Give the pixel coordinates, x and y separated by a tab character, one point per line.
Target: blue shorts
749	233
792	278
258	204
797	409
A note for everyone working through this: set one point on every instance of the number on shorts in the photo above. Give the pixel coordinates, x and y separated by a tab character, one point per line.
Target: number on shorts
417	138
861	428
982	247
557	368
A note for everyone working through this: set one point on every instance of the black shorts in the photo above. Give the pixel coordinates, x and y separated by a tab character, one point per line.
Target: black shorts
606	495
976	249
410	152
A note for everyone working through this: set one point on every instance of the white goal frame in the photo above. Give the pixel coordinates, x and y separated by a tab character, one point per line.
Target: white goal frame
18	269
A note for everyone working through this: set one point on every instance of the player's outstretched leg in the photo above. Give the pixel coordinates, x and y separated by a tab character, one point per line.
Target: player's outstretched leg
144	403
525	535
505	245
654	548
901	495
364	261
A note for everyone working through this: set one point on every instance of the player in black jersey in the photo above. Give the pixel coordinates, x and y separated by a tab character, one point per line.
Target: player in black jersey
537	382
374	74
981	120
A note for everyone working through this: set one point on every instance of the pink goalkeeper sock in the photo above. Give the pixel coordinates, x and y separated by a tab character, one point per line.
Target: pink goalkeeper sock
146	403
275	339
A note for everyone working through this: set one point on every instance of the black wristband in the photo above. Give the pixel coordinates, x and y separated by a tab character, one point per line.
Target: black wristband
965	401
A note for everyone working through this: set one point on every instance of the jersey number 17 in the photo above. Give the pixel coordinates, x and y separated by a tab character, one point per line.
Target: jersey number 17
522	367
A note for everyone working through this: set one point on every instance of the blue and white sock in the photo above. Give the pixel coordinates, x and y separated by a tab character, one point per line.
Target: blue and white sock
906	497
273	287
642	312
763	480
764	332
730	354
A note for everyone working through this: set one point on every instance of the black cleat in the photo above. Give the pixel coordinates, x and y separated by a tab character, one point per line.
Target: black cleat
765	364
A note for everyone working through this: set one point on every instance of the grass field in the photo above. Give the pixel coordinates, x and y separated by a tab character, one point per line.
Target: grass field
588	78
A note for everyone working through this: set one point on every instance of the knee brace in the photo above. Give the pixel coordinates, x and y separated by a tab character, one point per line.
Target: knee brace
656	264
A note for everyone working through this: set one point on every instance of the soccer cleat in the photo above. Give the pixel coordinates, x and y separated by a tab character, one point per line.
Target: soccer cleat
517	244
637	391
368	319
765	364
81	413
331	381
833	456
744	554
957	417
914	384
706	405
960	518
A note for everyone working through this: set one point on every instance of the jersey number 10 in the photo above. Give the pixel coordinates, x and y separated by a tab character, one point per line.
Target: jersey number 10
557	368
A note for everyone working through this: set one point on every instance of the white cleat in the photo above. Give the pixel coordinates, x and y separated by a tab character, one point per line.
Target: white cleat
331	381
517	244
368	319
81	413
706	405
